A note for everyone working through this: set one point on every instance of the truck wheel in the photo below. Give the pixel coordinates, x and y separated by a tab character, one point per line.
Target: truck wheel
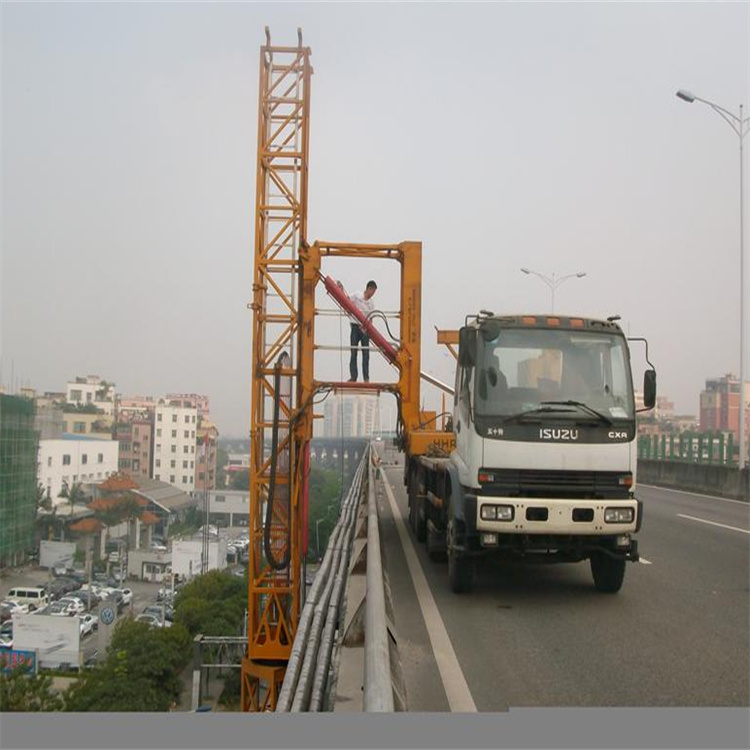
608	572
436	550
417	518
460	569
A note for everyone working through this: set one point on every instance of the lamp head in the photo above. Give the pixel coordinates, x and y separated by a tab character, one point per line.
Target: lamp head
686	96
525	270
581	274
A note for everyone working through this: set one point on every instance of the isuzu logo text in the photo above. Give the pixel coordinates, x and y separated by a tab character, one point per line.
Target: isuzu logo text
550	433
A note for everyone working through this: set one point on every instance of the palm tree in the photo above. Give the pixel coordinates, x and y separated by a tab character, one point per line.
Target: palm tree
74	494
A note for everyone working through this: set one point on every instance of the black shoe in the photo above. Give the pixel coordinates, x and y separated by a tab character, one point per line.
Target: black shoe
367	380
352	380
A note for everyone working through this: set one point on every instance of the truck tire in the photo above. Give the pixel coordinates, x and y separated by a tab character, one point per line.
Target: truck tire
417	519
608	572
460	568
436	547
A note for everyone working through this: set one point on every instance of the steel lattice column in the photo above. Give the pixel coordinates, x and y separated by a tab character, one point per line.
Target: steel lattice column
280	231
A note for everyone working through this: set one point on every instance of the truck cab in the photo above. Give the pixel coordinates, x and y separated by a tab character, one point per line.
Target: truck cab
544	465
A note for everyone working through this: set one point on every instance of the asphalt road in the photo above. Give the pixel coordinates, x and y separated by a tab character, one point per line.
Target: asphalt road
677	633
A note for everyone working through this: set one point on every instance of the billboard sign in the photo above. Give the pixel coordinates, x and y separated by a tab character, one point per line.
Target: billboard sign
57	640
14	659
56	554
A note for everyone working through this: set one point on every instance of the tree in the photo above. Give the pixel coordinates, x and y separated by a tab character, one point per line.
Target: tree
74	494
212	604
325	498
141	671
21	690
240	481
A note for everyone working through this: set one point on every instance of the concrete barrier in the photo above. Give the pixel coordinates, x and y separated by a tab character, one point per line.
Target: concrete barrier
723	481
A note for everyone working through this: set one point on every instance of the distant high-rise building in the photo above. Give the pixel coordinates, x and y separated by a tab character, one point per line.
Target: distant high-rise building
351	416
720	405
175	441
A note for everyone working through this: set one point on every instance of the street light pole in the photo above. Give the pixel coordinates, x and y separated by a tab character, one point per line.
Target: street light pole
553	281
740	126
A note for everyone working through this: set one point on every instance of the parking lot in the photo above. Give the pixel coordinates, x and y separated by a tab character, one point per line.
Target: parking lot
144	593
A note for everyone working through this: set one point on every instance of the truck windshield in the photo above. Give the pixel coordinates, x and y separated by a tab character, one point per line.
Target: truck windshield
522	368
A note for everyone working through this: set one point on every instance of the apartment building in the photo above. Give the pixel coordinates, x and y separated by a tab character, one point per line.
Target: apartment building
175	442
92	390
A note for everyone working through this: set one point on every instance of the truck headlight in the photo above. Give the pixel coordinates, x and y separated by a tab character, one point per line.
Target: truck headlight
496	513
618	515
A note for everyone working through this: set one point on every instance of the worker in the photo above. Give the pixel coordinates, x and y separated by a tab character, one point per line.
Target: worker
358	336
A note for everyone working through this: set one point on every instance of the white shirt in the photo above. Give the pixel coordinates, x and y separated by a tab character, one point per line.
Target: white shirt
365	306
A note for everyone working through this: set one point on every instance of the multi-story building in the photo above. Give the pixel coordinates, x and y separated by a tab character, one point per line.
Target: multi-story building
92	390
18	496
74	459
195	400
720	405
92	425
357	416
136	441
130	408
205	462
175	442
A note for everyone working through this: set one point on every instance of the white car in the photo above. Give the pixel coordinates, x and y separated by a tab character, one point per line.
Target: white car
89	623
77	607
153	621
6	641
60	609
127	596
16	608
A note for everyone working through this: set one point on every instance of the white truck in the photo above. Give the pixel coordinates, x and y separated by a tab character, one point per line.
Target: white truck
544	463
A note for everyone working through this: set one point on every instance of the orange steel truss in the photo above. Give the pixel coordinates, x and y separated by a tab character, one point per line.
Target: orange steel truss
287	271
280	231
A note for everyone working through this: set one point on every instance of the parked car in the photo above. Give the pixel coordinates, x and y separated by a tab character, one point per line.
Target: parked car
78	574
76	605
33	596
83	597
61	569
127	596
10	608
157	609
6	641
153	621
89	624
6	631
62	609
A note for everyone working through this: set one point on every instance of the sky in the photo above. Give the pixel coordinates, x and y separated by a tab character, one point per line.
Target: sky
508	135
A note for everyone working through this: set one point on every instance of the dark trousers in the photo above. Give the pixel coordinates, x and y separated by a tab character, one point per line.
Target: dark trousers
358	336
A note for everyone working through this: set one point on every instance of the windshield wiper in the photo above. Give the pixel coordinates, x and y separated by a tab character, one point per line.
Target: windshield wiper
537	410
602	417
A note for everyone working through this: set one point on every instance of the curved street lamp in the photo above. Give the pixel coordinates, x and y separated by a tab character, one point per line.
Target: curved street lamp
740	127
553	281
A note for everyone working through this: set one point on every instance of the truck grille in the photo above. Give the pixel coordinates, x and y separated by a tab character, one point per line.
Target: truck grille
593	485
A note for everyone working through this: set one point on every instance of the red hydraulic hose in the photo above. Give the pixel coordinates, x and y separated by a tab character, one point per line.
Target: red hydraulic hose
377	338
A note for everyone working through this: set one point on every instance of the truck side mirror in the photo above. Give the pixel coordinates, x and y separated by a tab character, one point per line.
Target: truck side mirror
467	346
649	389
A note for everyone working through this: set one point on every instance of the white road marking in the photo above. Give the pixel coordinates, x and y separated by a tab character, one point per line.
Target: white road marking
644	561
713	523
454	683
695	494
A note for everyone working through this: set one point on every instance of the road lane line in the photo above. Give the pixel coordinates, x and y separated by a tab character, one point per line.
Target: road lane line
713	523
644	561
694	494
454	683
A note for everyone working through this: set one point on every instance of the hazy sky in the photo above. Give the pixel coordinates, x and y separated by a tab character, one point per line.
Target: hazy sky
500	135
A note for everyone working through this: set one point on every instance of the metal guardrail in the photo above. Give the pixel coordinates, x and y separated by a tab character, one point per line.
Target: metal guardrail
306	676
378	693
